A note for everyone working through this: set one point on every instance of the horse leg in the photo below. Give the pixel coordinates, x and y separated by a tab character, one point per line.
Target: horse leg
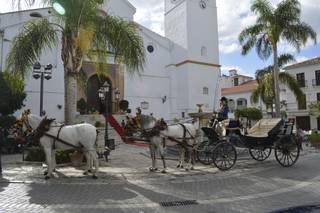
152	155
93	155
47	152
180	156
54	162
89	164
161	151
183	156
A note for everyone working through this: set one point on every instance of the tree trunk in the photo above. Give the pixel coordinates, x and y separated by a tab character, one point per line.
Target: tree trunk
70	98
276	81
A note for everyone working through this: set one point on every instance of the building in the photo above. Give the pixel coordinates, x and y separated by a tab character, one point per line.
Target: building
181	70
238	89
307	74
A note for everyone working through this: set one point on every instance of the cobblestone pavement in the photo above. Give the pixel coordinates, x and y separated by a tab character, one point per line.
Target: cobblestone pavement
125	185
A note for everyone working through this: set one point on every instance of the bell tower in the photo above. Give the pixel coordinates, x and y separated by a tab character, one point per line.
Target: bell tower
192	26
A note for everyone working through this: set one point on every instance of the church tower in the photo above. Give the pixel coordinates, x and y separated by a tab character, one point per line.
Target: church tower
192	26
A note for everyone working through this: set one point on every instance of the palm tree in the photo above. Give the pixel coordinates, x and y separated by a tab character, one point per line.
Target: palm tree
85	30
266	90
273	25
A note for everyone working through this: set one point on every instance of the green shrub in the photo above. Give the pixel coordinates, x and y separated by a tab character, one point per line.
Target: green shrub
124	105
36	154
250	113
98	124
315	138
82	106
7	121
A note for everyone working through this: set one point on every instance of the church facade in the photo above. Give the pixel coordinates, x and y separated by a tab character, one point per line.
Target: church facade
182	68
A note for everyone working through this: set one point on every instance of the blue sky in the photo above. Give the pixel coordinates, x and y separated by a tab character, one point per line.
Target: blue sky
233	16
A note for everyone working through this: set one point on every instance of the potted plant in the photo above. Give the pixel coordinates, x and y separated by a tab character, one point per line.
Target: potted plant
315	140
76	158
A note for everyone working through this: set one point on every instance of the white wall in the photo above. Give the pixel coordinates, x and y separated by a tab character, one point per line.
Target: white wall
53	89
310	91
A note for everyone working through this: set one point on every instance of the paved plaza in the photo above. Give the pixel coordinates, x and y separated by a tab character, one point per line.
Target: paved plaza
125	185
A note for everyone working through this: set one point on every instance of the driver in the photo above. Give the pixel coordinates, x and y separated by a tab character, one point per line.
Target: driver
224	109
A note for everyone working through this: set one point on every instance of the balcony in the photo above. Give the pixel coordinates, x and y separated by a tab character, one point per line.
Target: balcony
315	82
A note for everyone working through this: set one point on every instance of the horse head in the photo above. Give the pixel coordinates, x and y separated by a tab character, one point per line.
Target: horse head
161	124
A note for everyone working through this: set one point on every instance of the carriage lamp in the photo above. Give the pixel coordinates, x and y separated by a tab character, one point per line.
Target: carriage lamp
104	93
45	73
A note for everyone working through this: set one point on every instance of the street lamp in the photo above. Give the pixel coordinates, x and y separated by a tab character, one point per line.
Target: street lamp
103	95
58	8
42	74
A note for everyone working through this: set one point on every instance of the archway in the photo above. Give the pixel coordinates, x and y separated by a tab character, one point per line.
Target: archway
94	103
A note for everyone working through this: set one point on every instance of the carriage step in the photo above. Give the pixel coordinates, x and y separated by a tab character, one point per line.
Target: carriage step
179	203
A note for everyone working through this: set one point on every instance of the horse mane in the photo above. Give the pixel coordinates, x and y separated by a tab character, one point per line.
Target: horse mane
43	127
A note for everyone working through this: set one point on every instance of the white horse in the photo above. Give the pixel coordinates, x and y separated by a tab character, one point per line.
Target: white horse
83	136
161	135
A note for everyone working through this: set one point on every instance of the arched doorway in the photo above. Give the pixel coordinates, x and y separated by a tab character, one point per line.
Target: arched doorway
94	103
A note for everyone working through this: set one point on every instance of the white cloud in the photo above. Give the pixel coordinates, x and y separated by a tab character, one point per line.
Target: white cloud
226	68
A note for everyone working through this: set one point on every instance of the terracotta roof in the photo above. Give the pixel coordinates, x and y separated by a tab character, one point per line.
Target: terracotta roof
248	86
304	63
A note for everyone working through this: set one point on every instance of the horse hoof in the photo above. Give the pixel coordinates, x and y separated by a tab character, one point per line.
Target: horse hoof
155	169
89	171
181	167
163	171
178	166
85	173
187	169
47	177
94	177
45	173
151	169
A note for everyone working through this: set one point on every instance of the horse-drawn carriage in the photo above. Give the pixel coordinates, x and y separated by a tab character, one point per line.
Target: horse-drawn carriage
265	135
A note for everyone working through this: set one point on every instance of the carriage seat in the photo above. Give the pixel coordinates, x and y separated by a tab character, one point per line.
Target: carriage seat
265	128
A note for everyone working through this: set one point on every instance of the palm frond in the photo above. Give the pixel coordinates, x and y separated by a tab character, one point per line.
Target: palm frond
28	45
288	11
297	34
285	59
263	9
293	85
122	38
263	47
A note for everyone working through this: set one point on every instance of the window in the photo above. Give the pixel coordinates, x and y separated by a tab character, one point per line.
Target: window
205	90
183	114
318	96
301	80
303	105
236	82
317	73
204	51
150	48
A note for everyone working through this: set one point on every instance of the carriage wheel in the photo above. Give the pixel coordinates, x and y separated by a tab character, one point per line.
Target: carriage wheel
224	156
287	151
204	153
260	154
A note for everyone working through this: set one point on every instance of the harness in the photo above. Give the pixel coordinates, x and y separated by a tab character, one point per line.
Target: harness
40	134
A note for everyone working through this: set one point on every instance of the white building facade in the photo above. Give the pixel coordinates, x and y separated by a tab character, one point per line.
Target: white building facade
307	74
182	69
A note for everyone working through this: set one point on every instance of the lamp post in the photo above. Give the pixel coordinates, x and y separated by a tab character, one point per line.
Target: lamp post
117	95
103	95
42	74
